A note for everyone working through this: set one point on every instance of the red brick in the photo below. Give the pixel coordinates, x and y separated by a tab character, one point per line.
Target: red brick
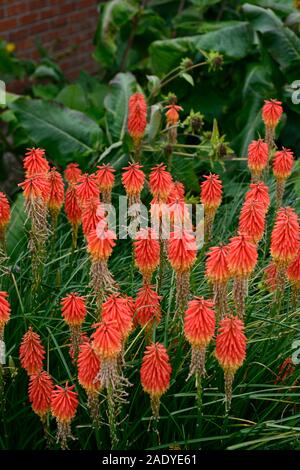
8	23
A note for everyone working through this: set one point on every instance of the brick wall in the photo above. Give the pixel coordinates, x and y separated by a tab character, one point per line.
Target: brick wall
64	27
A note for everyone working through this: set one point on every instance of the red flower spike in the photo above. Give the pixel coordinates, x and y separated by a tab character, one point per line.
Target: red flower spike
72	173
32	352
107	340
182	250
4	311
36	187
147	305
35	162
88	368
252	220
272	112
116	309
211	192
64	403
57	190
146	251
283	164
216	264
4	211
137	116
293	271
105	177
285	236
133	179
101	243
259	192
199	322
258	155
231	344
242	256
87	188
73	309
92	214
160	182
72	208
39	391
156	370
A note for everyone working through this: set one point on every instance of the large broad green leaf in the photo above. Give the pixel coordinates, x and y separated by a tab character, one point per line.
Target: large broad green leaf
234	41
282	43
113	16
67	135
73	96
123	86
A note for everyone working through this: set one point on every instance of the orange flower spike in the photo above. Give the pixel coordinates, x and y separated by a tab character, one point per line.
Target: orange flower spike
272	112
211	198
137	116
176	193
105	177
32	352
242	256
283	162
35	162
172	114
147	305
88	368
252	220
64	403
87	188
92	214
216	264
258	155
241	259
36	187
155	374
199	328
146	252
101	243
259	192
285	237
39	391
182	250
293	272
72	173
72	208
107	339
230	351
160	182
73	309
4	212
217	272
57	193
116	309
4	312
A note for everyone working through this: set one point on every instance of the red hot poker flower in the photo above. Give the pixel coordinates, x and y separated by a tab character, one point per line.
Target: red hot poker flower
146	252
147	304
4	312
4	211
258	155
252	220
64	403
133	179
105	177
282	164
211	192
72	208
155	374
73	309
230	351
92	214
217	272
242	256
182	250
259	192
36	187
87	188
293	272
272	112
57	190
88	368
107	340
39	391
35	162
72	173
32	352
137	116
285	236
116	308
101	243
176	193
160	182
